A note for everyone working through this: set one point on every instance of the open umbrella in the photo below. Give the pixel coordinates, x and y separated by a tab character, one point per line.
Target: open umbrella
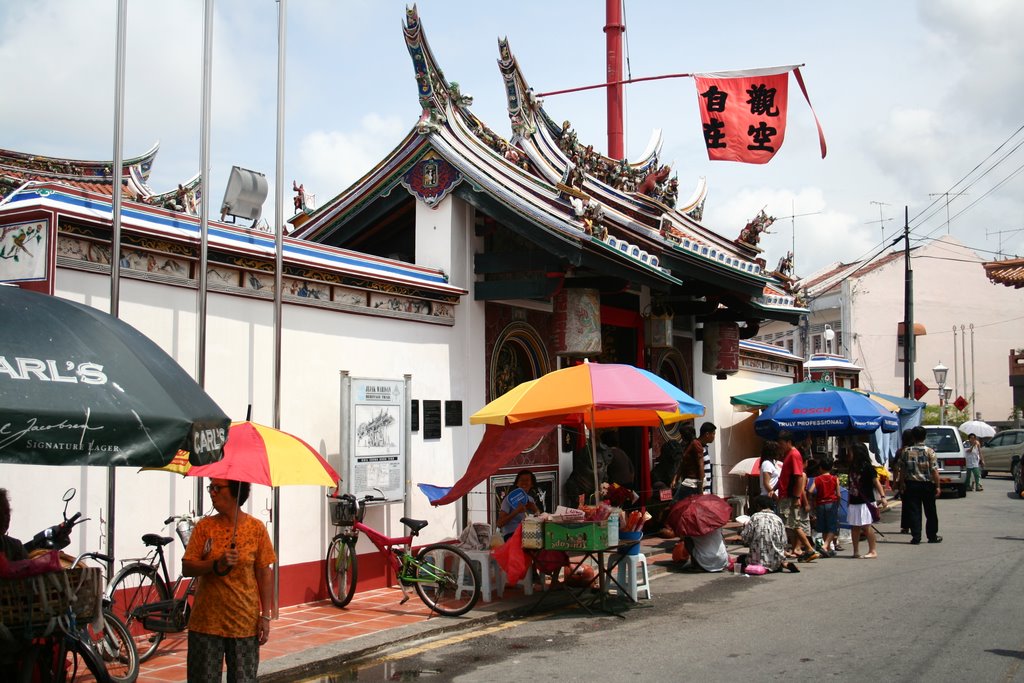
698	515
597	394
835	412
748	466
982	430
756	400
80	387
603	394
263	455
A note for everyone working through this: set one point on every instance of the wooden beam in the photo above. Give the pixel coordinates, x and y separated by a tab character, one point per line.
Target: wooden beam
500	290
516	262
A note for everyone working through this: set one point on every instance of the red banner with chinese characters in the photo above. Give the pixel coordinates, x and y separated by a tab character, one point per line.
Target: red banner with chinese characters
744	117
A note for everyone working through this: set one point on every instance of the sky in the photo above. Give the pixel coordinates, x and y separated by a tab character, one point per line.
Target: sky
920	102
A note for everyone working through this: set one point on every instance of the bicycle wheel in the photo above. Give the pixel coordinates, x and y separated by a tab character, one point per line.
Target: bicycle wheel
446	579
134	586
116	648
342	569
79	648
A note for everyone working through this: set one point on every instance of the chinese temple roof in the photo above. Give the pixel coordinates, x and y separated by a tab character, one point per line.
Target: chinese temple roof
17	168
1009	272
597	216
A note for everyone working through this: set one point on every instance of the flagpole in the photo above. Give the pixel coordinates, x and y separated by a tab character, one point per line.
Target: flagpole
204	211
115	237
282	17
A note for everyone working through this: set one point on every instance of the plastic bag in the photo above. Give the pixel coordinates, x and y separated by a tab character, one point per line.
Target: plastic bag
511	557
475	537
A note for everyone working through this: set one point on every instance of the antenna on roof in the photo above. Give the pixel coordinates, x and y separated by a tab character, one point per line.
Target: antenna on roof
244	195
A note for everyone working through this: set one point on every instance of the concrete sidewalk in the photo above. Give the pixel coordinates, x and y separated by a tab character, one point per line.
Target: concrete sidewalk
318	638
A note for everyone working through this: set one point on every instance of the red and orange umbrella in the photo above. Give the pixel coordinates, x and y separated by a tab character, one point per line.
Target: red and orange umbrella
263	455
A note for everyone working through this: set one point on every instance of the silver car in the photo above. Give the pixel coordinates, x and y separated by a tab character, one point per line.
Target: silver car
1003	452
949	451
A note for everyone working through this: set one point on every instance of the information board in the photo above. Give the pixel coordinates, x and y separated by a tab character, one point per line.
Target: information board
376	437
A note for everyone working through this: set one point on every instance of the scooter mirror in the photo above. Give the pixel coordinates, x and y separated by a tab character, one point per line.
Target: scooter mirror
69	494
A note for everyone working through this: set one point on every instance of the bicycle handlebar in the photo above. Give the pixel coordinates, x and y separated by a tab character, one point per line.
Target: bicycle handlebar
92	555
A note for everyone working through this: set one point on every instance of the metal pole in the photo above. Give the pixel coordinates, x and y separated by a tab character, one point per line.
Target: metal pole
956	375
973	407
204	212
963	354
282	15
908	310
115	237
613	29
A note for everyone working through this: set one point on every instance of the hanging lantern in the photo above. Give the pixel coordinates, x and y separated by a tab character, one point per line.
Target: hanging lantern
721	348
577	324
658	325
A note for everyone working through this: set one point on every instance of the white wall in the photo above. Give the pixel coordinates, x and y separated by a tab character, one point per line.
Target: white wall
446	363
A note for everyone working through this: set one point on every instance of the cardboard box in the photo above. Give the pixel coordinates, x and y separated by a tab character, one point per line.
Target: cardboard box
575	535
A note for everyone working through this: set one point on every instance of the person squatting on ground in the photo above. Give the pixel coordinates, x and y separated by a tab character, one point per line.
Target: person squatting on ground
826	504
975	461
518	501
765	535
794	506
919	475
232	555
864	485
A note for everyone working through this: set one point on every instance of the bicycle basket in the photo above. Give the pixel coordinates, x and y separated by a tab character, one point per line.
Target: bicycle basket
346	512
184	529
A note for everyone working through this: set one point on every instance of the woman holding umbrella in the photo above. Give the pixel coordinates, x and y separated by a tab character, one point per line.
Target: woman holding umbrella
232	555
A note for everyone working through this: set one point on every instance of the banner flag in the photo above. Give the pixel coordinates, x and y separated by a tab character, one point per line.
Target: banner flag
744	113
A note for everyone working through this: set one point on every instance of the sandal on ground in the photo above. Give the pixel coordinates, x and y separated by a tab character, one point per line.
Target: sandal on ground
791	567
869	556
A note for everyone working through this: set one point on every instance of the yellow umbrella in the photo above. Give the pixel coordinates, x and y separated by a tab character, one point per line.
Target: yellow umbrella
884	402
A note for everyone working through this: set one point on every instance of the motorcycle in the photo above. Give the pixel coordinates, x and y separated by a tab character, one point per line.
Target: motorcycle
58	536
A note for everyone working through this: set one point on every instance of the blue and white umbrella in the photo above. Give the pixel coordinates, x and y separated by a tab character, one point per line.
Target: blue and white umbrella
834	412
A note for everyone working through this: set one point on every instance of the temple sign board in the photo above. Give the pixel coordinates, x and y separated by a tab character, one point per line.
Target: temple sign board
374	436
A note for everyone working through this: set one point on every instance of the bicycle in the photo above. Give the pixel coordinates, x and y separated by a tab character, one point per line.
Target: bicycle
438	571
113	643
143	596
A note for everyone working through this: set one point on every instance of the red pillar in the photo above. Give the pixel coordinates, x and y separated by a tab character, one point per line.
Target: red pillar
613	29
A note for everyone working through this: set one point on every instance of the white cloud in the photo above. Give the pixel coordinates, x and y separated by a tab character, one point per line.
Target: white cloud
332	160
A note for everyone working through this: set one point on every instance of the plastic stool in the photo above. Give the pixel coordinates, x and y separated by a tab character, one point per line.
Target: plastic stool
486	564
632	574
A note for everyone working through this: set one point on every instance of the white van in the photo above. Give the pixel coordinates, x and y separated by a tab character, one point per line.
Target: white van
949	451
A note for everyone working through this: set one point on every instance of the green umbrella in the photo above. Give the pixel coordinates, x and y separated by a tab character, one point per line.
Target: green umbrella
80	387
756	400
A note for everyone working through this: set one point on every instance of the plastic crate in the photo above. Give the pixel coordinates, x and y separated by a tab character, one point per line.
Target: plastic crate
576	535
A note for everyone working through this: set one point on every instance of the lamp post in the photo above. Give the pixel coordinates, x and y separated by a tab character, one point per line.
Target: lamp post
940	372
829	336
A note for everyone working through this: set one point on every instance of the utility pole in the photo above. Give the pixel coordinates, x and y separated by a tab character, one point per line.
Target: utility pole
881	221
908	310
946	195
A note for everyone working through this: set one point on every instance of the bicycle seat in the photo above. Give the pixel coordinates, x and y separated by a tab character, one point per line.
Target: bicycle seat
415	525
156	540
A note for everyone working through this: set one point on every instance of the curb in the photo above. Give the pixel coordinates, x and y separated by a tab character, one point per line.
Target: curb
325	659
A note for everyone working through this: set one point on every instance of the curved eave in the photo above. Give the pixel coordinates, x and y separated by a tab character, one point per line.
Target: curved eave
376	182
153	221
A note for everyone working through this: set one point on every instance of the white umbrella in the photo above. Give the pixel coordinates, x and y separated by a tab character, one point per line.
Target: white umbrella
980	429
750	467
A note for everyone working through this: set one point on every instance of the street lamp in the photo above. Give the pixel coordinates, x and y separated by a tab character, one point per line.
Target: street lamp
940	372
829	336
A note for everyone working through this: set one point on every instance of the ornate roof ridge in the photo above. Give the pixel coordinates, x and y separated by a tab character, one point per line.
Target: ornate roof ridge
83	169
